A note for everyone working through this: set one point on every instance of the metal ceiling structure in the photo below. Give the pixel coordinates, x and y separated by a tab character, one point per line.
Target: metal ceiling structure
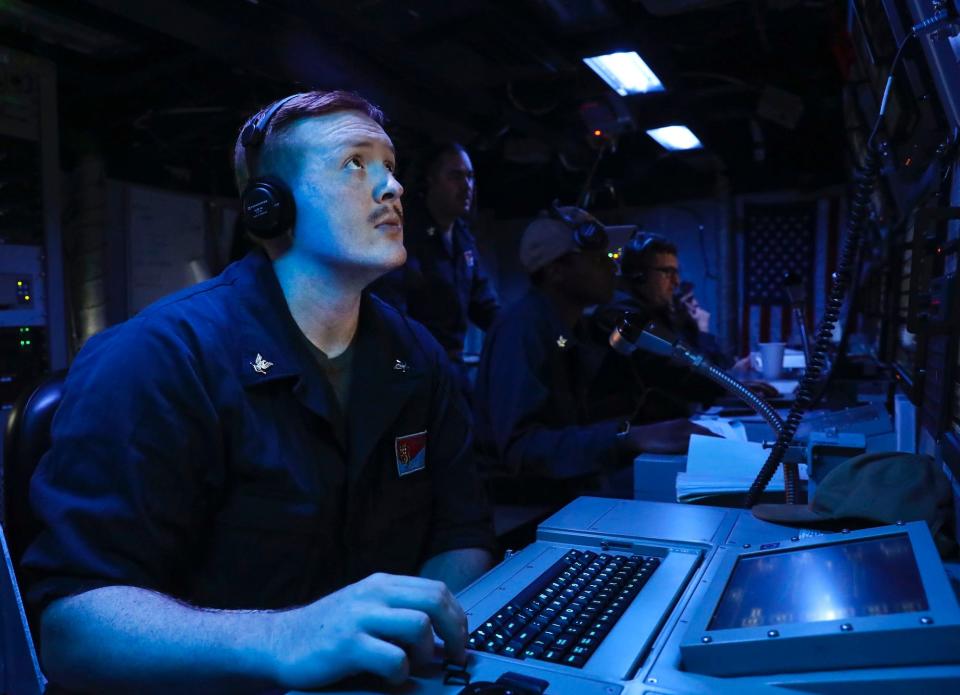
159	87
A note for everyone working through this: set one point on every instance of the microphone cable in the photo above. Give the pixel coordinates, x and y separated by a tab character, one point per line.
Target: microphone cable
865	182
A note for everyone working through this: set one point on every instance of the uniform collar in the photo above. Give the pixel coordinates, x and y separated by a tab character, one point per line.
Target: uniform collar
268	328
564	337
421	222
384	373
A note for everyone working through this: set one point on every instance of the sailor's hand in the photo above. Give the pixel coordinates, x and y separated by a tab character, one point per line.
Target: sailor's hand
667	437
379	625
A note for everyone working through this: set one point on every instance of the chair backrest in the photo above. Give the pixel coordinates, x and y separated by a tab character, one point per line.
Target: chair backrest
19	667
26	440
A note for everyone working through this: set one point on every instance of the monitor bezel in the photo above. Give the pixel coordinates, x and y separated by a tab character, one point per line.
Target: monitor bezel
808	646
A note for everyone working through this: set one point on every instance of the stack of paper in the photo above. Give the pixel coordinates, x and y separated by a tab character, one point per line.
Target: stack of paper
717	466
725	427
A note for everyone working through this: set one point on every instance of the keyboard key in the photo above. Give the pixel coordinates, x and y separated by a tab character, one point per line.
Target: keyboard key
533	651
552	655
517	646
524	636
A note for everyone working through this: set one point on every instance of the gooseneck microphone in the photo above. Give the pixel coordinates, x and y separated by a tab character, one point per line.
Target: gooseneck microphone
796	290
629	335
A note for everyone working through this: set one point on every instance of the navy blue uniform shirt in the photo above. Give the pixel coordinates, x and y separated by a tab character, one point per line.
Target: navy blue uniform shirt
537	408
197	452
440	286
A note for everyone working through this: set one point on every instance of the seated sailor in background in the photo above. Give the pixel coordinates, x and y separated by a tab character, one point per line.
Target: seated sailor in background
538	411
443	283
650	288
233	467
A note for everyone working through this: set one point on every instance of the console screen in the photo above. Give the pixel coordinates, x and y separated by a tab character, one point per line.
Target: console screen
829	582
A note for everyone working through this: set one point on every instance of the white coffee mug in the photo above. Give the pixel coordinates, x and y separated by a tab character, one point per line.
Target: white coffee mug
769	361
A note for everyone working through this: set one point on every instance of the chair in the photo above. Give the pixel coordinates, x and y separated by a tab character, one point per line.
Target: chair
26	440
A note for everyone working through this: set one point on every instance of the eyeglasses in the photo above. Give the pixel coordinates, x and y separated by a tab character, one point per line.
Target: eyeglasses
668	271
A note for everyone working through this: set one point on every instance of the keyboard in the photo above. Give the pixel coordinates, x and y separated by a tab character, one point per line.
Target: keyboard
564	614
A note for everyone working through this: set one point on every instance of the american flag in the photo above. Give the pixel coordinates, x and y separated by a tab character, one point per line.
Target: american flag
798	237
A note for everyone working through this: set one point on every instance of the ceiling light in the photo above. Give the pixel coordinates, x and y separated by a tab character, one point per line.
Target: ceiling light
676	137
625	72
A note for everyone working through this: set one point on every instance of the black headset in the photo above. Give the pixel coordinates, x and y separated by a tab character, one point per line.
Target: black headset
267	209
587	234
637	248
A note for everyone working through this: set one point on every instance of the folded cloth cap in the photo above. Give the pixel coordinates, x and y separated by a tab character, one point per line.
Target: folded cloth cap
880	487
547	238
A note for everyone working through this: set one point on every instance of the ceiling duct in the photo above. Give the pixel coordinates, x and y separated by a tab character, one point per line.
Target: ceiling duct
664	8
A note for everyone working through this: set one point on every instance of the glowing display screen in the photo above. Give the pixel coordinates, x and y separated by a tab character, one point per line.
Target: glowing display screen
831	582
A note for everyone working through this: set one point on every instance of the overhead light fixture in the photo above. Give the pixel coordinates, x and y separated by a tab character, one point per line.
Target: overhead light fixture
676	137
625	72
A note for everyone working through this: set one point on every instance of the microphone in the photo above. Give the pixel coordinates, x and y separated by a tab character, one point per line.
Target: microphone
795	287
629	335
796	291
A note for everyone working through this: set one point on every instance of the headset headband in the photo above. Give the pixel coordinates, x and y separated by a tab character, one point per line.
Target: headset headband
588	234
255	132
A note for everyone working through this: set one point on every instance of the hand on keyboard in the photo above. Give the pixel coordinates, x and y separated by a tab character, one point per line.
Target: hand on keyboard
378	625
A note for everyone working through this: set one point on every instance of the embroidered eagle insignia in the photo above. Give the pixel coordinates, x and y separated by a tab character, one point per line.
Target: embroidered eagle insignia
260	365
561	342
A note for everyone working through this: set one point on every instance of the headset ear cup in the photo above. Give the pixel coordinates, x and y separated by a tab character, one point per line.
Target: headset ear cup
267	208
